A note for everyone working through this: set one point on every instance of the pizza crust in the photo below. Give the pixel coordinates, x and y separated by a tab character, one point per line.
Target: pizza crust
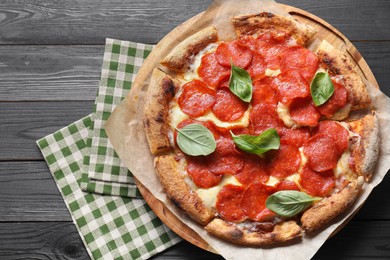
365	149
281	232
255	24
161	90
327	209
178	191
339	65
182	55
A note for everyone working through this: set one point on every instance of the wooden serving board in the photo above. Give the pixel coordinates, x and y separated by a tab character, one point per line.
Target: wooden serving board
325	31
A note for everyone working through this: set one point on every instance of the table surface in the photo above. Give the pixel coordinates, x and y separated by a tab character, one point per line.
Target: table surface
50	57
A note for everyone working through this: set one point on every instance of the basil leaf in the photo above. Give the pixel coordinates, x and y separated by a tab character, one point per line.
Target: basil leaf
240	83
288	203
195	139
321	88
267	140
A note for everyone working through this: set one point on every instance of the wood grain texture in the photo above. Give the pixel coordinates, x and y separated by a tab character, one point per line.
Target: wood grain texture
357	20
91	21
377	56
72	72
35	240
22	123
49	72
28	193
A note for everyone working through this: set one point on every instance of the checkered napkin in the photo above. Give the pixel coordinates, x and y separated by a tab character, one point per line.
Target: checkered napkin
106	173
81	159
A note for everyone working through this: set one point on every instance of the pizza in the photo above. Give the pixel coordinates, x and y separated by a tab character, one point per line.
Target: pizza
254	138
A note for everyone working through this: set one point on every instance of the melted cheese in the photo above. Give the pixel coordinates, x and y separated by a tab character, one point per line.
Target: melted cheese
342	113
284	114
272	181
192	73
176	116
243	121
209	196
272	73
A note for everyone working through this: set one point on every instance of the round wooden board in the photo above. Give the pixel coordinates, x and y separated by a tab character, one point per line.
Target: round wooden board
325	31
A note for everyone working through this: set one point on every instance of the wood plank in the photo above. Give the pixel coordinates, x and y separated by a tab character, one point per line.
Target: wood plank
89	22
377	56
359	239
59	240
34	240
30	72
357	20
22	123
29	193
372	209
86	22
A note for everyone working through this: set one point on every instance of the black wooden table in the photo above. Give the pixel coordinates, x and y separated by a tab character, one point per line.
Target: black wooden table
50	57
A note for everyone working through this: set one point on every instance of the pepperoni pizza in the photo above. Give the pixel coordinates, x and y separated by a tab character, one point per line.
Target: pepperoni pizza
252	137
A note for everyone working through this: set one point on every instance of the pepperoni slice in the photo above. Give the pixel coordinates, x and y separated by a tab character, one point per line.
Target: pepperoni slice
333	129
225	159
291	86
317	184
197	168
211	71
196	98
228	203
302	60
228	107
321	152
286	185
264	116
273	57
337	101
254	170
257	67
253	202
271	47
284	162
303	112
234	52
260	43
296	137
264	92
275	37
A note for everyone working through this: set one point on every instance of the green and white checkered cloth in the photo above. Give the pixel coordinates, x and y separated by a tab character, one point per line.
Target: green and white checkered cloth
106	174
112	227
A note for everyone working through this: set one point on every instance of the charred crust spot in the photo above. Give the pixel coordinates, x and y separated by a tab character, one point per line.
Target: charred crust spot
162	148
236	234
330	64
176	203
266	14
160	118
168	88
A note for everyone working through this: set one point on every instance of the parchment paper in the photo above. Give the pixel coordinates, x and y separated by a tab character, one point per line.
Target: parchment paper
125	131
